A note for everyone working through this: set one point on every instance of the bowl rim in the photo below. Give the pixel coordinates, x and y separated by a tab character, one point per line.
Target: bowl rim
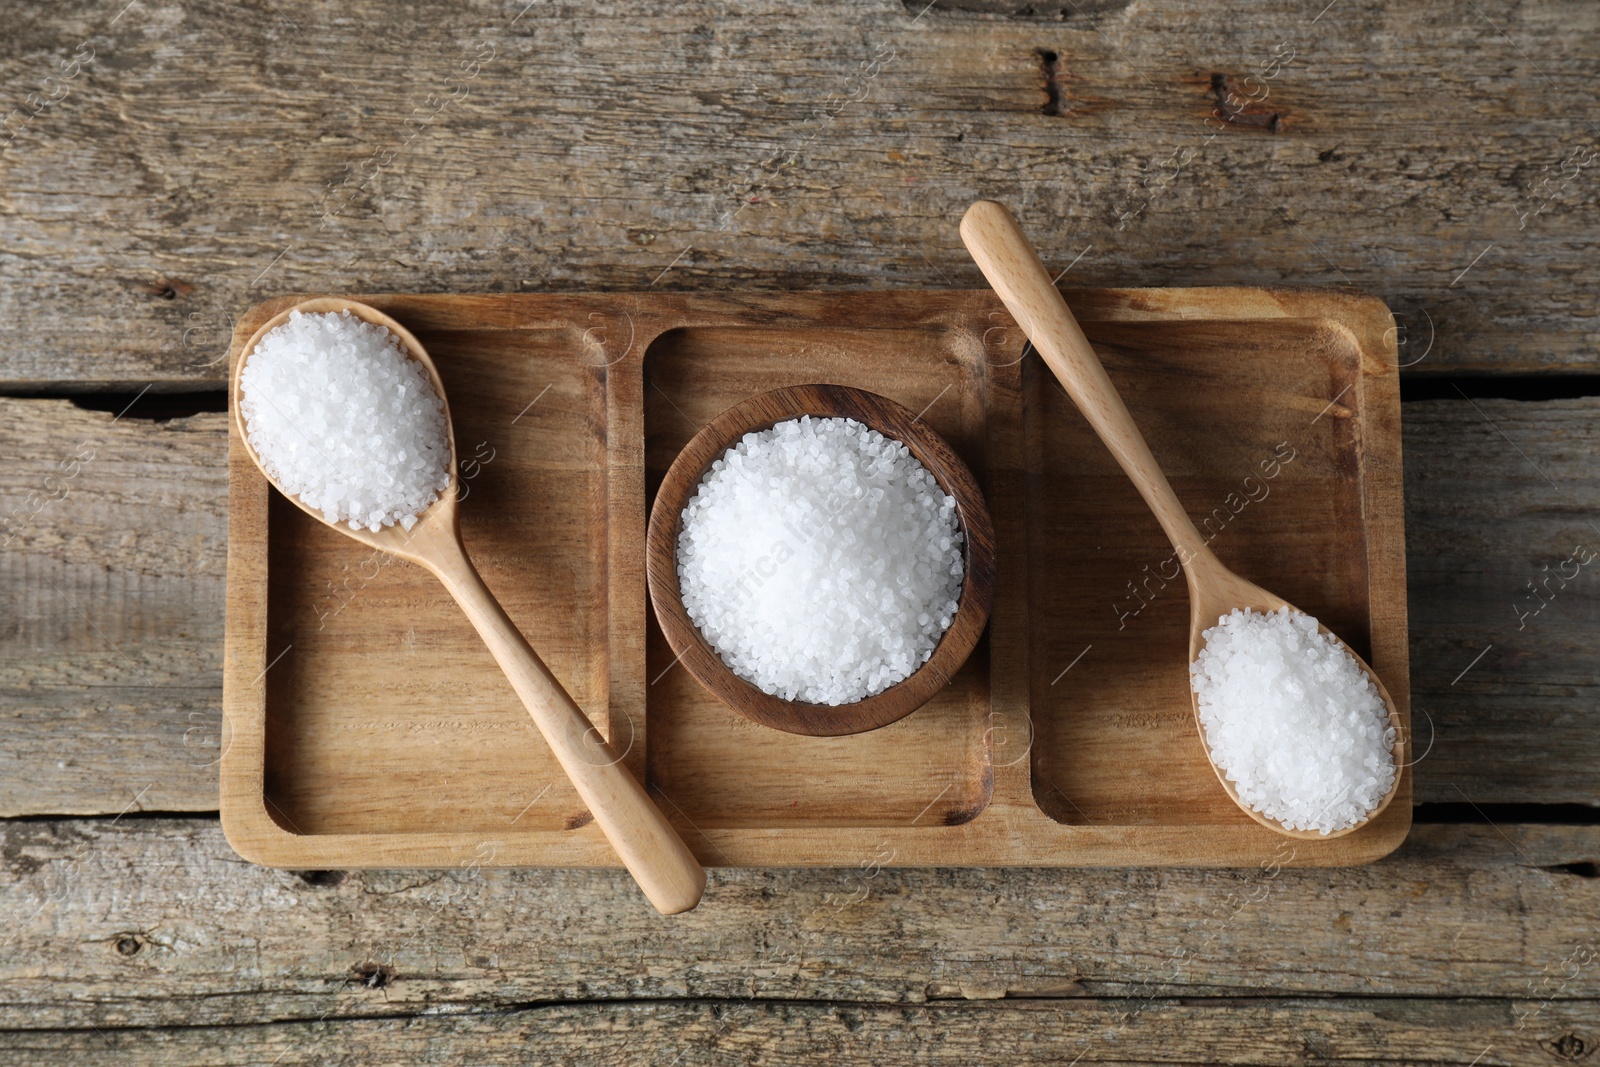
763	411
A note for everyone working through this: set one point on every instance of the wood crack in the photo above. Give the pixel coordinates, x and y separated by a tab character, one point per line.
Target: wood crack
1055	93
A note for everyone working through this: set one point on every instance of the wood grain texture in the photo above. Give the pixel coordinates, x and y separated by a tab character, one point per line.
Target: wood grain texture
207	155
1501	502
156	922
201	157
111	576
1312	1032
1520	726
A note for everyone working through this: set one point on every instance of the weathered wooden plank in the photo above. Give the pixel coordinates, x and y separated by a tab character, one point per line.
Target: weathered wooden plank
156	922
1503	571
110	657
1441	158
112	559
1312	1032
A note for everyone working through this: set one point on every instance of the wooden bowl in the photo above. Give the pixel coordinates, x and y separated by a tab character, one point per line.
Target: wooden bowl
701	660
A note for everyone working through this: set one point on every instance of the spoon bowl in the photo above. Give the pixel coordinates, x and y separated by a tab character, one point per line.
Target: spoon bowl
1215	591
645	841
441	518
1009	262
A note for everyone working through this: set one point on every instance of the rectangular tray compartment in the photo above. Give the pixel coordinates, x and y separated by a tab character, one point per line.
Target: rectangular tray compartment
366	726
412	724
1270	471
722	770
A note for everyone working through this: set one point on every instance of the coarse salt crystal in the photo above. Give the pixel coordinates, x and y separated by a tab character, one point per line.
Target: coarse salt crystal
1293	721
310	400
821	560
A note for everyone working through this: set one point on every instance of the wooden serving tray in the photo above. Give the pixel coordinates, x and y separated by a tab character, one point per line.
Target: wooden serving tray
366	726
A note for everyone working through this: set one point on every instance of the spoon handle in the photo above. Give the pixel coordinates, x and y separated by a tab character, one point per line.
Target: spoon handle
1013	269
650	848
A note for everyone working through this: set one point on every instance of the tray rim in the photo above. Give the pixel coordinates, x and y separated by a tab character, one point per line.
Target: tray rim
1011	830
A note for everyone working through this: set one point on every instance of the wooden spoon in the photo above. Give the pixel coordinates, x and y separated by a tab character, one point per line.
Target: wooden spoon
649	847
1013	268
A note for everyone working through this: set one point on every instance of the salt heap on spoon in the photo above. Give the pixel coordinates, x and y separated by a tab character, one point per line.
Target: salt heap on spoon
343	419
1293	720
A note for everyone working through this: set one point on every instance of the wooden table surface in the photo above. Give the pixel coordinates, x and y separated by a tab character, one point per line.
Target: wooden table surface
163	167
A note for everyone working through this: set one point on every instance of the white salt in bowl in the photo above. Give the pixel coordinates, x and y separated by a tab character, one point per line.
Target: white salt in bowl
762	412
